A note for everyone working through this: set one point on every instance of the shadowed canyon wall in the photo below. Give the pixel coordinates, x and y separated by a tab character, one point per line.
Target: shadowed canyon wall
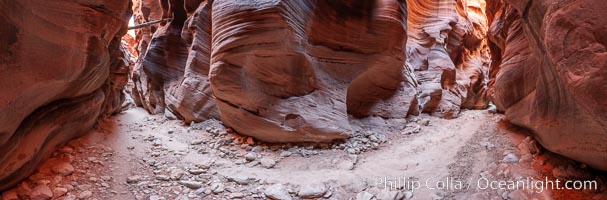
312	71
62	68
550	72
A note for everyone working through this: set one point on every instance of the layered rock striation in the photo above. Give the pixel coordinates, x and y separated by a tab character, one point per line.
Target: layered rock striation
550	73
311	71
448	51
61	68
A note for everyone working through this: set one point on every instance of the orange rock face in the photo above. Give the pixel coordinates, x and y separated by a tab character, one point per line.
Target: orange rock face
551	77
61	68
447	49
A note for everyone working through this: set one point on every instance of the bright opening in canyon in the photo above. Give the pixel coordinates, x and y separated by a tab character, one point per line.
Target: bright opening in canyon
303	99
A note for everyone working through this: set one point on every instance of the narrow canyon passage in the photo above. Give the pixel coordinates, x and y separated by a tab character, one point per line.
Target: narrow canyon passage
303	99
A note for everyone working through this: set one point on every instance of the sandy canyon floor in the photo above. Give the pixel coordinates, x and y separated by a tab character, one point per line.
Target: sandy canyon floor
138	156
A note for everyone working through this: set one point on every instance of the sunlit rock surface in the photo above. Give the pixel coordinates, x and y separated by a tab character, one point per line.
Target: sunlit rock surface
61	68
447	49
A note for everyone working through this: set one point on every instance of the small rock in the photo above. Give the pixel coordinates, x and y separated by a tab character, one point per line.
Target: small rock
41	192
59	191
236	195
277	192
176	174
156	197
217	187
408	194
389	195
312	191
197	142
286	153
250	141
251	156
63	168
426	122
364	195
267	162
240	179
191	184
197	171
492	109
351	151
133	179
257	149
85	195
157	142
200	191
10	195
510	158
163	178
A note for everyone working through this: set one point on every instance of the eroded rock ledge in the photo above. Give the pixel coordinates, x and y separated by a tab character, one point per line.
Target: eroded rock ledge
62	69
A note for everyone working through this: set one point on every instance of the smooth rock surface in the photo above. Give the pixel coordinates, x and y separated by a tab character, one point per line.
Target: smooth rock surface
59	75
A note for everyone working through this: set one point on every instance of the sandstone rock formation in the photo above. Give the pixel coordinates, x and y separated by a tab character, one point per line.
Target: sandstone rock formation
172	74
552	73
447	49
61	68
304	66
306	71
278	70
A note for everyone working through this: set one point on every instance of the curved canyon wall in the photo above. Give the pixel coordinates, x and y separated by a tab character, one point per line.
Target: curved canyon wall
61	68
449	53
310	71
550	73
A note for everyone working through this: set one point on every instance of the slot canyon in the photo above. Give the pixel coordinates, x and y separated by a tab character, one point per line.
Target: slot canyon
303	99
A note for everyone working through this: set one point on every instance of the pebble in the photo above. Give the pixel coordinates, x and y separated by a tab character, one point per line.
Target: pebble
191	184
196	171
426	122
199	191
408	194
389	195
251	156
240	179
85	195
286	153
217	187
156	197
63	168
176	174
59	191
277	192
236	195
41	192
196	142
312	191
133	179
267	162
364	195
510	158
257	149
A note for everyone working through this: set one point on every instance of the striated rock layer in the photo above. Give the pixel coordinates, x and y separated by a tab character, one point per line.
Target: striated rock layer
552	73
61	68
309	71
447	49
304	66
171	74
